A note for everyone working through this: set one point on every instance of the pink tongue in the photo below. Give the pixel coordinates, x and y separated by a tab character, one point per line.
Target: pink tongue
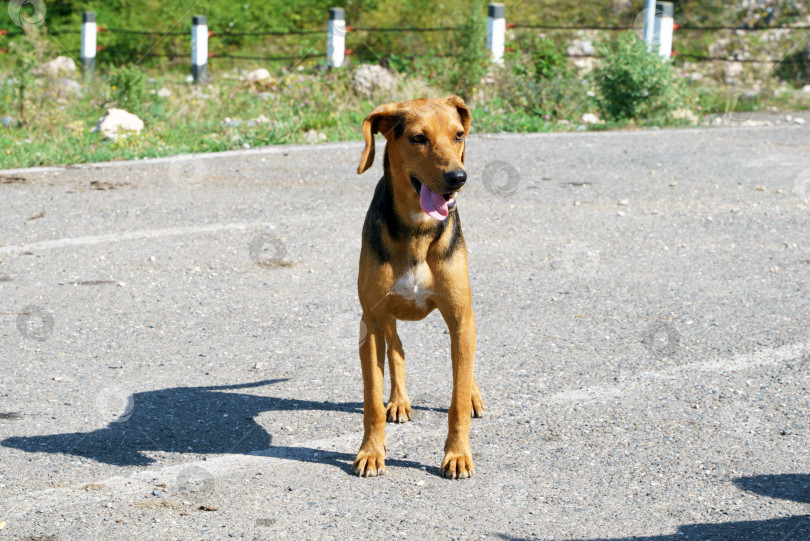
433	203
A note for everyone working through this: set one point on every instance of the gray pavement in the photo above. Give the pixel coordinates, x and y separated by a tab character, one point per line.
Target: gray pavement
179	346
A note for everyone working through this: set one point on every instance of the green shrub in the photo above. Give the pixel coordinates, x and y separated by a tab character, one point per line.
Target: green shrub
635	83
548	58
537	79
128	85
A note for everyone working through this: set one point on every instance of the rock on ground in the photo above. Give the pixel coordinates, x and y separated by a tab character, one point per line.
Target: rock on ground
118	122
60	65
314	136
257	75
590	118
370	78
732	73
686	114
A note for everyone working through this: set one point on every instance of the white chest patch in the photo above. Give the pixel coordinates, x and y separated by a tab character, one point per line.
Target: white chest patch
412	285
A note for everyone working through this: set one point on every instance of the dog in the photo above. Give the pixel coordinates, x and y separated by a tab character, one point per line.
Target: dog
413	260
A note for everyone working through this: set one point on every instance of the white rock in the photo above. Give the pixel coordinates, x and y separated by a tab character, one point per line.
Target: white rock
56	67
369	78
590	118
799	121
581	47
686	114
117	122
313	136
164	93
806	88
257	75
732	72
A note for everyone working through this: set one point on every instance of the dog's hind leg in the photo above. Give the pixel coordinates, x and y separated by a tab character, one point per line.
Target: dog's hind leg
399	405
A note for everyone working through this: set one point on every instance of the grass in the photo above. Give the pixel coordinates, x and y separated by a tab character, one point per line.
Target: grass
536	90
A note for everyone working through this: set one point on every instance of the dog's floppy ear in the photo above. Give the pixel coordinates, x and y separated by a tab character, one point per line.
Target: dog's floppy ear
383	119
466	118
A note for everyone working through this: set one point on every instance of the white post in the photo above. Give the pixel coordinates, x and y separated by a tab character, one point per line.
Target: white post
88	53
336	38
666	16
199	47
496	31
649	23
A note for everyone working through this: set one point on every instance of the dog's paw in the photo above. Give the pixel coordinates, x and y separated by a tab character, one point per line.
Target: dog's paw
477	404
369	462
398	411
457	465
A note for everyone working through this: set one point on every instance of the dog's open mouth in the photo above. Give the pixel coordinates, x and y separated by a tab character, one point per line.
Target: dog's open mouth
436	205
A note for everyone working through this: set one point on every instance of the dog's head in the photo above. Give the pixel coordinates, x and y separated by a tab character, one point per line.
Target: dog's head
426	144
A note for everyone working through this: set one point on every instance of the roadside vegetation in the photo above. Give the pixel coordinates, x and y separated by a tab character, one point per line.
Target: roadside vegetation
48	119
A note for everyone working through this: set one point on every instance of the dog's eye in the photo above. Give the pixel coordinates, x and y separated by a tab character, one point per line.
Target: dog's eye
418	139
459	136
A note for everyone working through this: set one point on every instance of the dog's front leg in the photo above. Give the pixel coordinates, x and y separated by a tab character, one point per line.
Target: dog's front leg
370	460
458	461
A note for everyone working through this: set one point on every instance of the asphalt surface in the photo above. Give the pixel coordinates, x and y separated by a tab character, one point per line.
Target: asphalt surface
179	346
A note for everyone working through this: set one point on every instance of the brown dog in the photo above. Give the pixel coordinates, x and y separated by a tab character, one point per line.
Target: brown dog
413	260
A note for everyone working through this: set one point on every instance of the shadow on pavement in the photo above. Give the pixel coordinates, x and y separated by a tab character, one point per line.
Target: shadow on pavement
194	420
795	487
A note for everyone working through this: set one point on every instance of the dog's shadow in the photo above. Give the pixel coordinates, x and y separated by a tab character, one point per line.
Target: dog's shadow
207	420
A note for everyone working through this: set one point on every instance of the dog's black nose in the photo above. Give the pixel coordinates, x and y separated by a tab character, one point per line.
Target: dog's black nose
455	179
